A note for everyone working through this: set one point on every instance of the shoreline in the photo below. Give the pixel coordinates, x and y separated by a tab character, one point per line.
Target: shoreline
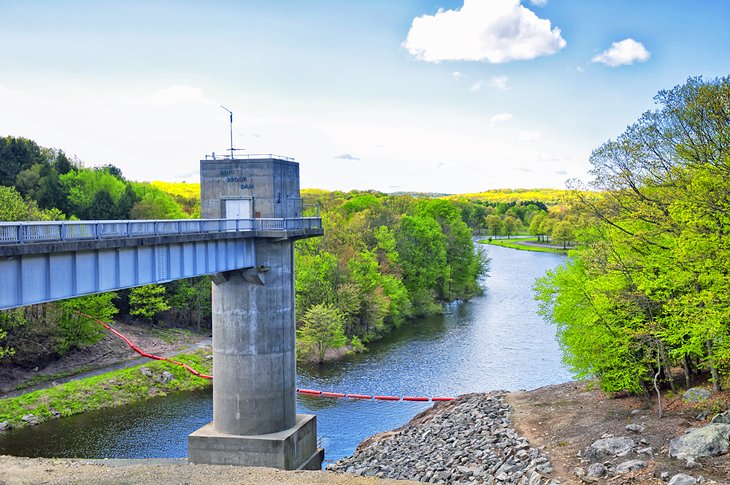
544	436
548	436
528	244
130	384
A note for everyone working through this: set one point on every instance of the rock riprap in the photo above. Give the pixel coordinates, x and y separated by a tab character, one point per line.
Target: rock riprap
710	440
469	440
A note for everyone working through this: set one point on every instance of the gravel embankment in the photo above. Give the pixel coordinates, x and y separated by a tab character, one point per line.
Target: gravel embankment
469	440
47	471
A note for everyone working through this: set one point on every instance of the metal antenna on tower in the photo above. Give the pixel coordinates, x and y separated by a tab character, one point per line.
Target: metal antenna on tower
231	116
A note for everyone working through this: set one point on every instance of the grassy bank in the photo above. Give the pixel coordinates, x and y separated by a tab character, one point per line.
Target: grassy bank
115	388
520	245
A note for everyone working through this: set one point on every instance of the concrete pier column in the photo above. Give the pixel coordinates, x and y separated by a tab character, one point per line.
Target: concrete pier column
254	360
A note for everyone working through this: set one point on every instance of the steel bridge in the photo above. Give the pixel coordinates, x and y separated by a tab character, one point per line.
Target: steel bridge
53	260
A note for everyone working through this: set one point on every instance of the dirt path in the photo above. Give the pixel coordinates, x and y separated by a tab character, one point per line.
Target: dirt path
22	471
565	419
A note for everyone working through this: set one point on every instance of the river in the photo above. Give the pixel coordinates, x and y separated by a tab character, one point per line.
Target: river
495	341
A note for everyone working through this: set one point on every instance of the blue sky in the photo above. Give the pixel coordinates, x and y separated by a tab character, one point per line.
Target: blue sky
390	95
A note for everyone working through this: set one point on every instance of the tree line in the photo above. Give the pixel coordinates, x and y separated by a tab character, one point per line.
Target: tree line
648	290
383	260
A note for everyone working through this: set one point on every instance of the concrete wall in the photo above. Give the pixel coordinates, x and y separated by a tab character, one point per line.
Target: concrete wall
272	184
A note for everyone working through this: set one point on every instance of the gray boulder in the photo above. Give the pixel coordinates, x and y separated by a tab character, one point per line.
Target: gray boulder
630	466
682	479
696	394
31	419
619	446
710	440
167	377
635	428
5	426
597	470
146	371
722	418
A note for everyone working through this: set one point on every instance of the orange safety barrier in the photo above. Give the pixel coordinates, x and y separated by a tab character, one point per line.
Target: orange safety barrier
310	392
332	394
145	354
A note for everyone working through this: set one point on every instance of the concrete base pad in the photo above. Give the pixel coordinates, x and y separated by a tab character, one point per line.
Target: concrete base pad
291	449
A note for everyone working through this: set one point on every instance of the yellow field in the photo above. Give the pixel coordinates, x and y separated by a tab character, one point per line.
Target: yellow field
179	189
547	196
191	191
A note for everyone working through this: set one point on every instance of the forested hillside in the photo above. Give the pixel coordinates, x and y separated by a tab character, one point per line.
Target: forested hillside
39	183
648	290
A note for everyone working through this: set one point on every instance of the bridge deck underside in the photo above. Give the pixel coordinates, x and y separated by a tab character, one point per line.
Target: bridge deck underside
35	278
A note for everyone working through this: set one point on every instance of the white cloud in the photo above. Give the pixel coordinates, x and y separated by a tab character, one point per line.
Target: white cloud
539	3
529	135
496	82
348	156
500	118
456	74
623	53
495	31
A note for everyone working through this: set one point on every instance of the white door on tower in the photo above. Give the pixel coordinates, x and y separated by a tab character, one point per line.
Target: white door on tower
238	209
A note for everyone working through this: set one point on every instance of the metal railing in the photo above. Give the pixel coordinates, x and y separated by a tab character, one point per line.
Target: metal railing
53	231
248	156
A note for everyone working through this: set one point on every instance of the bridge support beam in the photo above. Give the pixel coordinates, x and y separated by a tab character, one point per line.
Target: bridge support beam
254	355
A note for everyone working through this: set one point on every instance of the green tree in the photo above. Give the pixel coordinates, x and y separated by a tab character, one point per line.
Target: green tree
13	207
153	203
317	278
320	330
148	301
9	320
88	187
191	299
653	259
494	225
536	225
563	233
422	250
509	226
77	330
16	155
592	330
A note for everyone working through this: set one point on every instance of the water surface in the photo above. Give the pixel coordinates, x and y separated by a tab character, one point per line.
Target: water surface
495	341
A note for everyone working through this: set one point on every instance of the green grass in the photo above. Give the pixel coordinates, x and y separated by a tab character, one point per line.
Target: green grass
518	244
40	378
172	335
115	388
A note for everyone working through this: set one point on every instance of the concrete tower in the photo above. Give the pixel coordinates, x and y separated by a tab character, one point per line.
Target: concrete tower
254	360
